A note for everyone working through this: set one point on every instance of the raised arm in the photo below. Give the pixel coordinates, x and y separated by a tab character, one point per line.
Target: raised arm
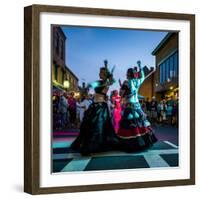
93	84
143	77
141	80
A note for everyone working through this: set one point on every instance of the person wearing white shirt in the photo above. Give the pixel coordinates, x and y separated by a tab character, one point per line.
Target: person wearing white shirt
84	105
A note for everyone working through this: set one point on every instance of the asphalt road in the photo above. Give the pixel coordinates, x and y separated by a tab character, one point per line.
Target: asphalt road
164	153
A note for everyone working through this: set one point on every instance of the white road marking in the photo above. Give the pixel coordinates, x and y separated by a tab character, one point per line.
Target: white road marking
61	144
171	144
155	160
148	153
66	156
77	164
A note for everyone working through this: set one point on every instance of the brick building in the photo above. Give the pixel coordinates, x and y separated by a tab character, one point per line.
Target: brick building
165	79
60	72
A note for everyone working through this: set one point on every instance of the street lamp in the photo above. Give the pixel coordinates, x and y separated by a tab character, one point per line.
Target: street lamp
66	84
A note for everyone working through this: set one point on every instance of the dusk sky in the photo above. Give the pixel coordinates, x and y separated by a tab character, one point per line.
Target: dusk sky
87	48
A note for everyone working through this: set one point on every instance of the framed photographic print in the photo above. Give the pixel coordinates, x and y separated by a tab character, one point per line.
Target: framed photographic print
109	99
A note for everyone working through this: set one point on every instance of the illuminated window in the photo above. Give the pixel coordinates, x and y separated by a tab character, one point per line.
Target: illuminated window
169	68
171	64
176	64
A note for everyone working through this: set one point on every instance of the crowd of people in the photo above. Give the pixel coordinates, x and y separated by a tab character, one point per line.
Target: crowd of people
163	112
68	112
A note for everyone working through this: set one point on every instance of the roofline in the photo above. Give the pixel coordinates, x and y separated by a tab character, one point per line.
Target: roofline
71	72
61	31
162	43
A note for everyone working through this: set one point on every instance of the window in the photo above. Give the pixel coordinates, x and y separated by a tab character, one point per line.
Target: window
169	68
57	43
62	50
176	64
63	76
160	73
56	72
164	72
171	60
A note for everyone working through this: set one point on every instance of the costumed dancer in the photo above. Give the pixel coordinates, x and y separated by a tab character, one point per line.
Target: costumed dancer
116	102
97	133
135	132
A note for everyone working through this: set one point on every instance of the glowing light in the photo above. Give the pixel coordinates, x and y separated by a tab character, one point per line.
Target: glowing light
76	94
171	88
66	84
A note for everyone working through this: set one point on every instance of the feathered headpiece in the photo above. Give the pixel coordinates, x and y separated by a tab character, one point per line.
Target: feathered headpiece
109	73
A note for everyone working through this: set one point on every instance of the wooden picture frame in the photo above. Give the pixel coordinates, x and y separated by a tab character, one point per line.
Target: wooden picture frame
32	94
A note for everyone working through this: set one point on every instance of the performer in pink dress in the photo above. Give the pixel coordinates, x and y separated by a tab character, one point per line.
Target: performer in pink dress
116	102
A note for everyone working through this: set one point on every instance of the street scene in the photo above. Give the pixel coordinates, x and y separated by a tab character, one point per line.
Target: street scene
114	99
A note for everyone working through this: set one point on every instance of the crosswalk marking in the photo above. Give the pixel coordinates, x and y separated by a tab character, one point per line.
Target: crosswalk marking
155	161
148	153
77	164
171	144
61	144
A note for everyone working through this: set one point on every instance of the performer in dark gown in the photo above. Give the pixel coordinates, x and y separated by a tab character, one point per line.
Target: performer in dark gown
97	133
135	132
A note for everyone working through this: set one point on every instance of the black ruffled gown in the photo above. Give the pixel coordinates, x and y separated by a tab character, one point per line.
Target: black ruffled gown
97	133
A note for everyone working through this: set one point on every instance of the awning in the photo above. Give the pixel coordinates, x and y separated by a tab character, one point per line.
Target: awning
58	85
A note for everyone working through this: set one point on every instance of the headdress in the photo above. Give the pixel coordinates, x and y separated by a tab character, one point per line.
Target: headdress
134	72
109	73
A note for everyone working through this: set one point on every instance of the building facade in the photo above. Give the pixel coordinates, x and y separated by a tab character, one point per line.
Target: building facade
146	89
165	79
72	79
60	72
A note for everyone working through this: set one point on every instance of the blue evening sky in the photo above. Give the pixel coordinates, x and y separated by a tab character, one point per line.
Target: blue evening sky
88	47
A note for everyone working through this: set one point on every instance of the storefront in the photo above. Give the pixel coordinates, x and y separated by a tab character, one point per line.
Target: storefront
167	68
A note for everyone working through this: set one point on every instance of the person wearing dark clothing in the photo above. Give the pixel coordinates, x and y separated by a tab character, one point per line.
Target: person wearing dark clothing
72	109
97	133
153	110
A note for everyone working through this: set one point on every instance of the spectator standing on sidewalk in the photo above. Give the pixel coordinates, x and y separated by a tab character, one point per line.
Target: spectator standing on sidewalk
175	113
84	105
153	111
159	118
78	110
72	109
169	111
56	99
148	107
163	111
62	109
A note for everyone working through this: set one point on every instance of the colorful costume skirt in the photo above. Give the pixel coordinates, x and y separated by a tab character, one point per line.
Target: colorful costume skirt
96	132
135	132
